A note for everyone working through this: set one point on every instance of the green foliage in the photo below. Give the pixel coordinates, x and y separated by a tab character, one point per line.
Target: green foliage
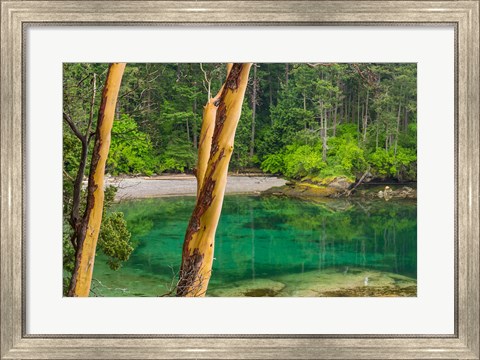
241	151
274	164
68	256
131	151
288	119
345	153
114	239
178	156
406	163
336	96
382	162
303	160
71	150
160	112
402	165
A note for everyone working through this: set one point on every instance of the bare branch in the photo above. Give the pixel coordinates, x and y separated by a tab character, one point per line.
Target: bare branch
67	175
72	125
206	83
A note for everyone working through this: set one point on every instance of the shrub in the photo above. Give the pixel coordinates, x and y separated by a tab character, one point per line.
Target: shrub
403	165
273	164
114	240
131	151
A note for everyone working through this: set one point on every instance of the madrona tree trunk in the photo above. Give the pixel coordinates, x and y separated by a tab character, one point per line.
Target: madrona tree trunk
90	226
220	121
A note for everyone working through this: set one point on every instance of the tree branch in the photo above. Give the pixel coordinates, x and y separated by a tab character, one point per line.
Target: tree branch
371	78
208	82
72	125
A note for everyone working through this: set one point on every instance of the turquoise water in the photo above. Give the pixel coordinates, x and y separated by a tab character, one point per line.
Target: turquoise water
272	246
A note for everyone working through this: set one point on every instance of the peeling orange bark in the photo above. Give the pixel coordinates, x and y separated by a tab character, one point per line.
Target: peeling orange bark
92	218
198	247
206	133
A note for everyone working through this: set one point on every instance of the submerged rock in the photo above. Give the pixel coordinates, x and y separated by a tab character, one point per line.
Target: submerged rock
249	288
342	282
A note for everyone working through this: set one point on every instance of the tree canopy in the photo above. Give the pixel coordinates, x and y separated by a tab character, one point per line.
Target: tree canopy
298	120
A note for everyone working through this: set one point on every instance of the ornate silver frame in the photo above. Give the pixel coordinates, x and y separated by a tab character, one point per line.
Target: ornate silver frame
16	15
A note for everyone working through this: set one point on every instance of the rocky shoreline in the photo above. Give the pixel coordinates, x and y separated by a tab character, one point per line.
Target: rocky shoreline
185	185
339	187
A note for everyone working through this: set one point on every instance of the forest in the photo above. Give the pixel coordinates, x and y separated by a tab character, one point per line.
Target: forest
302	122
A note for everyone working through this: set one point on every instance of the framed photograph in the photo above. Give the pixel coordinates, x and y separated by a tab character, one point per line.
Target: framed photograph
294	179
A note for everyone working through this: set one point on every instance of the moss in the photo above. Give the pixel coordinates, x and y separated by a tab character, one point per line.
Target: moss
365	291
303	190
261	293
326	180
319	191
310	185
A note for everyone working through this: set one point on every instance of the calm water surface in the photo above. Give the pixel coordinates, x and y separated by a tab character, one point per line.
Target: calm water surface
282	246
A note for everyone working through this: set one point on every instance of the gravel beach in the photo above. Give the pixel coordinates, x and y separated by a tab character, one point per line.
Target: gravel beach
183	185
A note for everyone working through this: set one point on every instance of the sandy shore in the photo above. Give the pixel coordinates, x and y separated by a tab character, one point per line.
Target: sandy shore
183	185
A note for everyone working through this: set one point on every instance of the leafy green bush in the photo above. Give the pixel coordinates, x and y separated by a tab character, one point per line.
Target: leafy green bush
295	161
274	164
402	165
345	154
131	151
304	160
114	239
382	163
406	164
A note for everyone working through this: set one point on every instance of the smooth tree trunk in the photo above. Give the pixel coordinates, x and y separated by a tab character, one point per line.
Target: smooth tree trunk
221	117
90	227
